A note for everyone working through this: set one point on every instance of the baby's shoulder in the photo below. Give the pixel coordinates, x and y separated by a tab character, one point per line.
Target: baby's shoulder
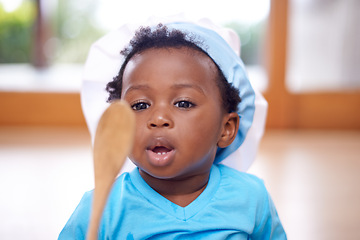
117	187
241	180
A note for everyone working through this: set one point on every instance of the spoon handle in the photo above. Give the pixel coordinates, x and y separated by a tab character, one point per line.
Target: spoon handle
113	141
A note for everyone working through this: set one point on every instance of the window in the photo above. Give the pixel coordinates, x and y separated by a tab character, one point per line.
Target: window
55	32
323	45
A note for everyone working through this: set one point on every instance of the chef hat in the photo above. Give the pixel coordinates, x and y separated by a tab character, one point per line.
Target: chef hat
221	44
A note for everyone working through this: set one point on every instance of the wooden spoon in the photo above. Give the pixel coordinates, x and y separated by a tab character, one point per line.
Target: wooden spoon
113	142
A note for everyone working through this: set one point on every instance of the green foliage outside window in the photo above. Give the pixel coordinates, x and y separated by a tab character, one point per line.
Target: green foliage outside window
71	29
16	33
74	30
252	37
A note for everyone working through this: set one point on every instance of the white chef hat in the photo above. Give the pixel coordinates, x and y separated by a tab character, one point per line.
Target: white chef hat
221	44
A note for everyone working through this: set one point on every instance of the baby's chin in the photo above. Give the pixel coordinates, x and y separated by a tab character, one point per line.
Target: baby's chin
158	174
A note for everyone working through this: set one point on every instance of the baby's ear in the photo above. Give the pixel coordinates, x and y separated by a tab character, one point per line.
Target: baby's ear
230	129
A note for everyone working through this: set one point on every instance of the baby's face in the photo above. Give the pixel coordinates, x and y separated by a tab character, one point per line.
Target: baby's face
179	115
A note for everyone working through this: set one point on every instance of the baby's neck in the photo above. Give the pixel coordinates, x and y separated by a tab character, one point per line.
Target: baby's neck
181	192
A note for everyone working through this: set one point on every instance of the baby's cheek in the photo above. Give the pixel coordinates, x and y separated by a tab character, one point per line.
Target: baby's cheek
135	159
138	150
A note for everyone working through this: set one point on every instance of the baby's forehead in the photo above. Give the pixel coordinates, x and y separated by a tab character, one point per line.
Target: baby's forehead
185	66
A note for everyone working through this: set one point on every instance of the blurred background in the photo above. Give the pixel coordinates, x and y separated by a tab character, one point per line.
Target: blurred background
303	55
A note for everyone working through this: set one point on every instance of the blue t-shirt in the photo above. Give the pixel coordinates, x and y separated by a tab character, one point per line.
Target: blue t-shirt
234	205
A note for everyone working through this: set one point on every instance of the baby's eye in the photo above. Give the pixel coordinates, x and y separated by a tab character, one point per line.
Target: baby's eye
140	106
184	104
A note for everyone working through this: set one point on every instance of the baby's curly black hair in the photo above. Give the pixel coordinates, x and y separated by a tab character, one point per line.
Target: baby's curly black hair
161	37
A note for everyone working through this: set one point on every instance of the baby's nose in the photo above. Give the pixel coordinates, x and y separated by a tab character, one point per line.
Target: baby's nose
160	119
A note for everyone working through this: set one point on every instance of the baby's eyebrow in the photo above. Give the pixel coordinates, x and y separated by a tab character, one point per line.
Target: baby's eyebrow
137	87
187	85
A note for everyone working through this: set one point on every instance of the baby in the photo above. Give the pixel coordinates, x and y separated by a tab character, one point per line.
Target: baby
179	79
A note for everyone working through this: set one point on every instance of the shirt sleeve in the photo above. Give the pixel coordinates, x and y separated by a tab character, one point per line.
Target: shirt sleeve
77	225
268	225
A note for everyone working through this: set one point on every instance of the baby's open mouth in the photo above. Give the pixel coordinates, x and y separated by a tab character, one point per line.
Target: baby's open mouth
161	150
160	153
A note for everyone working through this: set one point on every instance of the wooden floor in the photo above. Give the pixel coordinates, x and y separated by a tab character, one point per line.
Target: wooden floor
313	177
